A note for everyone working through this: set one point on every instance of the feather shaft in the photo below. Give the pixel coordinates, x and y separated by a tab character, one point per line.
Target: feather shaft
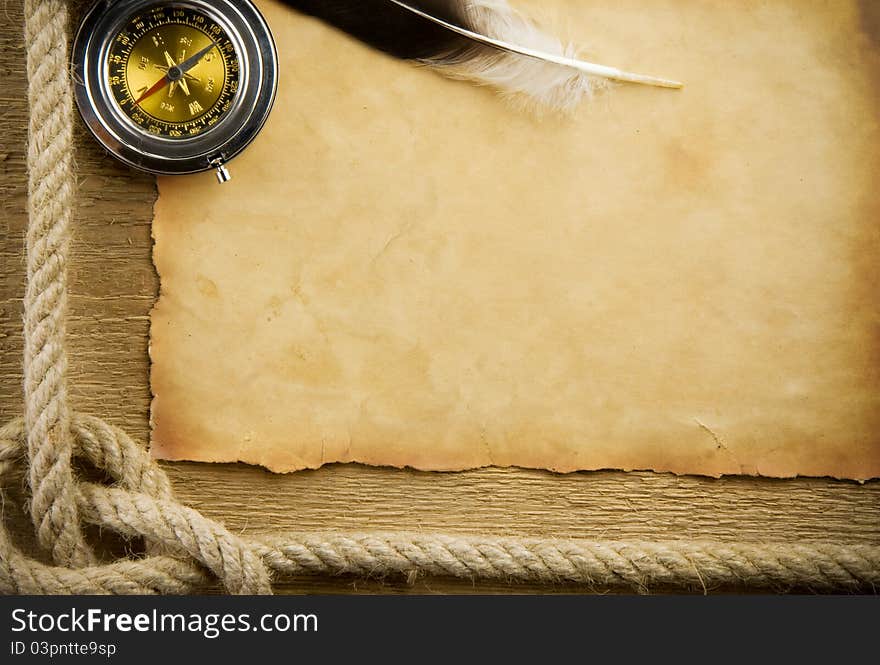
590	68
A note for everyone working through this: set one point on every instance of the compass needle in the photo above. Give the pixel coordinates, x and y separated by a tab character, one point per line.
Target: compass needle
152	90
187	75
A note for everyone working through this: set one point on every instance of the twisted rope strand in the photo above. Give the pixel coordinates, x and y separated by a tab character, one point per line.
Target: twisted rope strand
51	199
185	549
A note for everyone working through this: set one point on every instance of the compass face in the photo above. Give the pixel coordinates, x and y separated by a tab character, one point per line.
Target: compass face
173	71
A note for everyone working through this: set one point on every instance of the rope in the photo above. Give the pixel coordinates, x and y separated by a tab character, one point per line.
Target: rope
51	197
140	503
184	549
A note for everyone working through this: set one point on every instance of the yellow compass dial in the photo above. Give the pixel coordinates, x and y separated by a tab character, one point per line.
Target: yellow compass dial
173	71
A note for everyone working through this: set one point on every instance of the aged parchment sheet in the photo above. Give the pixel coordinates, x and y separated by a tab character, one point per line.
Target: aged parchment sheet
406	271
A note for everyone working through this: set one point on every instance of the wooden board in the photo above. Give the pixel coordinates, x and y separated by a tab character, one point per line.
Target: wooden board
113	286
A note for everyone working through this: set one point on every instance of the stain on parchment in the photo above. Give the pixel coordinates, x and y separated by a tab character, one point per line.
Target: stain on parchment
207	287
869	10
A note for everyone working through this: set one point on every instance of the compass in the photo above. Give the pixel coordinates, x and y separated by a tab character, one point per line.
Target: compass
175	87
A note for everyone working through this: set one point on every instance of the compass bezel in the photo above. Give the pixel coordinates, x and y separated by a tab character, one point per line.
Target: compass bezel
258	77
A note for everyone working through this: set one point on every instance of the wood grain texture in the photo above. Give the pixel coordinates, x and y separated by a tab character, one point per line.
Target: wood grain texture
113	286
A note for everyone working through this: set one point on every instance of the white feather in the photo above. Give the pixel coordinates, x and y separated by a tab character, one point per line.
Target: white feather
526	80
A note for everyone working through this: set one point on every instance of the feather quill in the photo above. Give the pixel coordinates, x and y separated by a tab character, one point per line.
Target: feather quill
483	41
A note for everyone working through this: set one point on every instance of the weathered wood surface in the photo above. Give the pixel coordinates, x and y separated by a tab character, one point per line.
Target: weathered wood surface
113	286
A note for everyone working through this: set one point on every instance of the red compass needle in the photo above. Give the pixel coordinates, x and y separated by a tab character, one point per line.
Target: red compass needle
161	83
177	72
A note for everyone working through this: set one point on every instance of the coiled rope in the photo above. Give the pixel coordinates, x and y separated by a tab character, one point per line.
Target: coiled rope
186	550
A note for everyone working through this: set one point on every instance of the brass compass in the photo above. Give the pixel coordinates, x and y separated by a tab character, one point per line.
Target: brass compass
175	87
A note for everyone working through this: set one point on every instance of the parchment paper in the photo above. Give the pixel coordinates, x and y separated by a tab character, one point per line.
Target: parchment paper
406	271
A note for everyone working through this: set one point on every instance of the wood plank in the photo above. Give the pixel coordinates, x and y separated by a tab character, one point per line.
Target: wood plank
113	287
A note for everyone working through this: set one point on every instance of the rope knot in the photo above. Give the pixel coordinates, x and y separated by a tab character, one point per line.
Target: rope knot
139	502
